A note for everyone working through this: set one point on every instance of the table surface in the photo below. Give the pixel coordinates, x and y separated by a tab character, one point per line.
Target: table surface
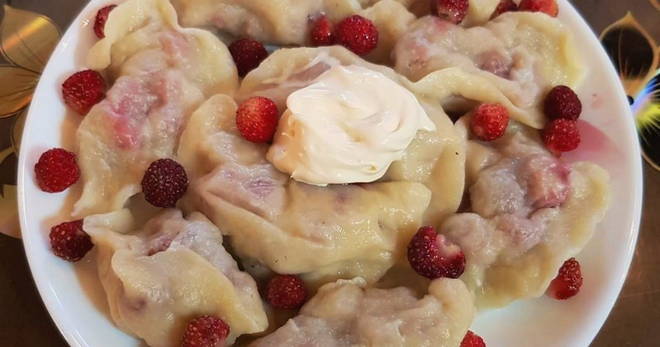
633	322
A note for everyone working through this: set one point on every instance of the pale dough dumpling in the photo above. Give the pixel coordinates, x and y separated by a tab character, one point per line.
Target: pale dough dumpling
529	213
522	54
172	270
434	158
392	21
323	233
274	21
211	138
457	91
290	69
288	22
160	74
344	313
479	11
320	232
354	230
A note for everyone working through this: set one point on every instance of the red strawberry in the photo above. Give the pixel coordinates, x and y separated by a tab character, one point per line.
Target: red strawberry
562	102
357	33
247	54
56	170
568	281
489	121
451	10
256	119
472	340
504	6
321	33
286	292
69	241
433	256
101	18
164	183
561	135
546	6
205	331
82	90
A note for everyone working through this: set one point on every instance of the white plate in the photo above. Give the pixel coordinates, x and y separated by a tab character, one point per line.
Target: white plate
75	300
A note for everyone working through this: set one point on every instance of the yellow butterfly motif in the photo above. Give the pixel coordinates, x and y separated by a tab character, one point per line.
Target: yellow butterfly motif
636	56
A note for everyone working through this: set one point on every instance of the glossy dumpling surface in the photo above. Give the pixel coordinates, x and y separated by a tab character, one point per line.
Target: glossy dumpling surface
522	54
322	232
529	213
435	159
344	313
291	227
169	272
288	22
159	74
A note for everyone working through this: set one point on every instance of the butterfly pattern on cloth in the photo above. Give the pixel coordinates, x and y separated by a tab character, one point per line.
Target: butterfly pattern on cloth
27	40
636	56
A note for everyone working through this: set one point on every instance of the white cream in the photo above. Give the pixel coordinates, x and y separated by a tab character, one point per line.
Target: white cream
346	127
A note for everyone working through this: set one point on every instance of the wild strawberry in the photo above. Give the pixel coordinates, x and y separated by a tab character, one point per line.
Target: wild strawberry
489	121
568	281
56	170
562	102
433	256
286	292
357	33
256	119
101	18
164	183
205	331
504	6
546	6
472	340
69	241
82	90
450	10
321	33
247	54
561	135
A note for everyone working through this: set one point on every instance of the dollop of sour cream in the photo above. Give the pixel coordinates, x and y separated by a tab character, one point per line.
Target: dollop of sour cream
348	126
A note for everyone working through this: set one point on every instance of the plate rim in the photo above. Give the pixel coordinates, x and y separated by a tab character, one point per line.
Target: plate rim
637	172
46	293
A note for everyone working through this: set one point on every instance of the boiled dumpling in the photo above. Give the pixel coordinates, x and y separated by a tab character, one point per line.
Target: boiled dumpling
392	21
529	213
479	11
274	21
288	22
354	230
344	313
320	232
211	138
323	233
169	272
433	158
437	160
290	69
522	54
161	74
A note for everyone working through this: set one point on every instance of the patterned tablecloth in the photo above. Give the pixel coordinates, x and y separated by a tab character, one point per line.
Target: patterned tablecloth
629	30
